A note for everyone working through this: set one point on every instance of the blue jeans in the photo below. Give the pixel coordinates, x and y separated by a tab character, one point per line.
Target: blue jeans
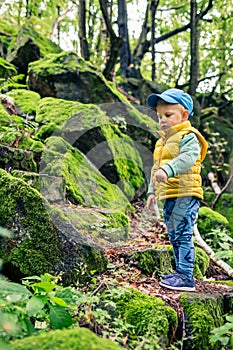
180	214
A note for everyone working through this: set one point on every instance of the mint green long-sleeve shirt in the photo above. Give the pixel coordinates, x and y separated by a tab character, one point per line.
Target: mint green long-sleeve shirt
189	152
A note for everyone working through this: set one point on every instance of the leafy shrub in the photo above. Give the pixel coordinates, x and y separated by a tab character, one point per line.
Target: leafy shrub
40	303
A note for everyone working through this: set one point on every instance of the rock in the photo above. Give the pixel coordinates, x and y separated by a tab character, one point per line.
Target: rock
67	76
5	118
106	224
66	174
148	315
224	206
43	238
151	261
202	313
6	69
51	187
91	131
72	339
26	100
14	158
29	46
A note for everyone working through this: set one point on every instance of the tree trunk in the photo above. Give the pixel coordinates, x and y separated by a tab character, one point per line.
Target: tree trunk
143	43
115	43
154	5
125	54
82	30
194	46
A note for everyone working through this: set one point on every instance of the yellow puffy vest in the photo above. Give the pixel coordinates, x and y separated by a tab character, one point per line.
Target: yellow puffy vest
167	148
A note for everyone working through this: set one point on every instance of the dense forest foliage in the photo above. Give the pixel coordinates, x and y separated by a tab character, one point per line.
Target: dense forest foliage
187	45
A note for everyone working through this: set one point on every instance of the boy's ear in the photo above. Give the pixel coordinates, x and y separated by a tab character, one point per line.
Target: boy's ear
185	115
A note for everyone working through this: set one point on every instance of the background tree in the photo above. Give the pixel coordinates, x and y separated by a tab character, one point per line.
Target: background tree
125	53
181	35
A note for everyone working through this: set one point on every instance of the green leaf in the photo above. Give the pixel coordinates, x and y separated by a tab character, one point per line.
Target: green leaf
13	292
45	286
28	326
68	295
58	301
36	304
59	317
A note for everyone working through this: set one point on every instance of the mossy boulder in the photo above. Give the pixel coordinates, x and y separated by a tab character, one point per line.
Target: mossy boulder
43	239
26	100
84	184
6	69
72	339
91	131
104	224
67	76
151	261
14	158
202	261
148	315
202	313
5	118
224	206
29	46
214	228
66	174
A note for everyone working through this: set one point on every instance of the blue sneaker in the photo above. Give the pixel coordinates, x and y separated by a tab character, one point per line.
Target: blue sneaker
169	275
178	282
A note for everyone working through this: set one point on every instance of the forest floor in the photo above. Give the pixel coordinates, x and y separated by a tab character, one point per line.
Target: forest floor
147	233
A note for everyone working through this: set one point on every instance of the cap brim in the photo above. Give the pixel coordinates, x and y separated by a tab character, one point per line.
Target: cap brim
153	99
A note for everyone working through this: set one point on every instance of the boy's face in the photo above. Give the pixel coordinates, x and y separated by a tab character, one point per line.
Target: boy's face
170	115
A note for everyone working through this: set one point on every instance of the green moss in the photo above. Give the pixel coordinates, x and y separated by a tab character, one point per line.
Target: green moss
225	207
54	63
151	261
5	118
202	262
210	220
147	314
72	339
203	312
26	100
24	212
214	216
29	144
111	226
126	159
53	114
84	185
45	45
6	69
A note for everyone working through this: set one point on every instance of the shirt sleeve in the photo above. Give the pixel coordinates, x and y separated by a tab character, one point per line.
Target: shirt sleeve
151	189
189	151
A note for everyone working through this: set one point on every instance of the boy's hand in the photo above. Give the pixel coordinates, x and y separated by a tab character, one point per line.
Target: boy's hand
151	202
159	176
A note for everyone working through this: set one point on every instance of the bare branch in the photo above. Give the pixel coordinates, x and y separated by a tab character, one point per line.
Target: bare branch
222	191
57	21
226	268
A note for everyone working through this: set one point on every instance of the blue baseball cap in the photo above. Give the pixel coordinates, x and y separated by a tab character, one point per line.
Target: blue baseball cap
173	96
